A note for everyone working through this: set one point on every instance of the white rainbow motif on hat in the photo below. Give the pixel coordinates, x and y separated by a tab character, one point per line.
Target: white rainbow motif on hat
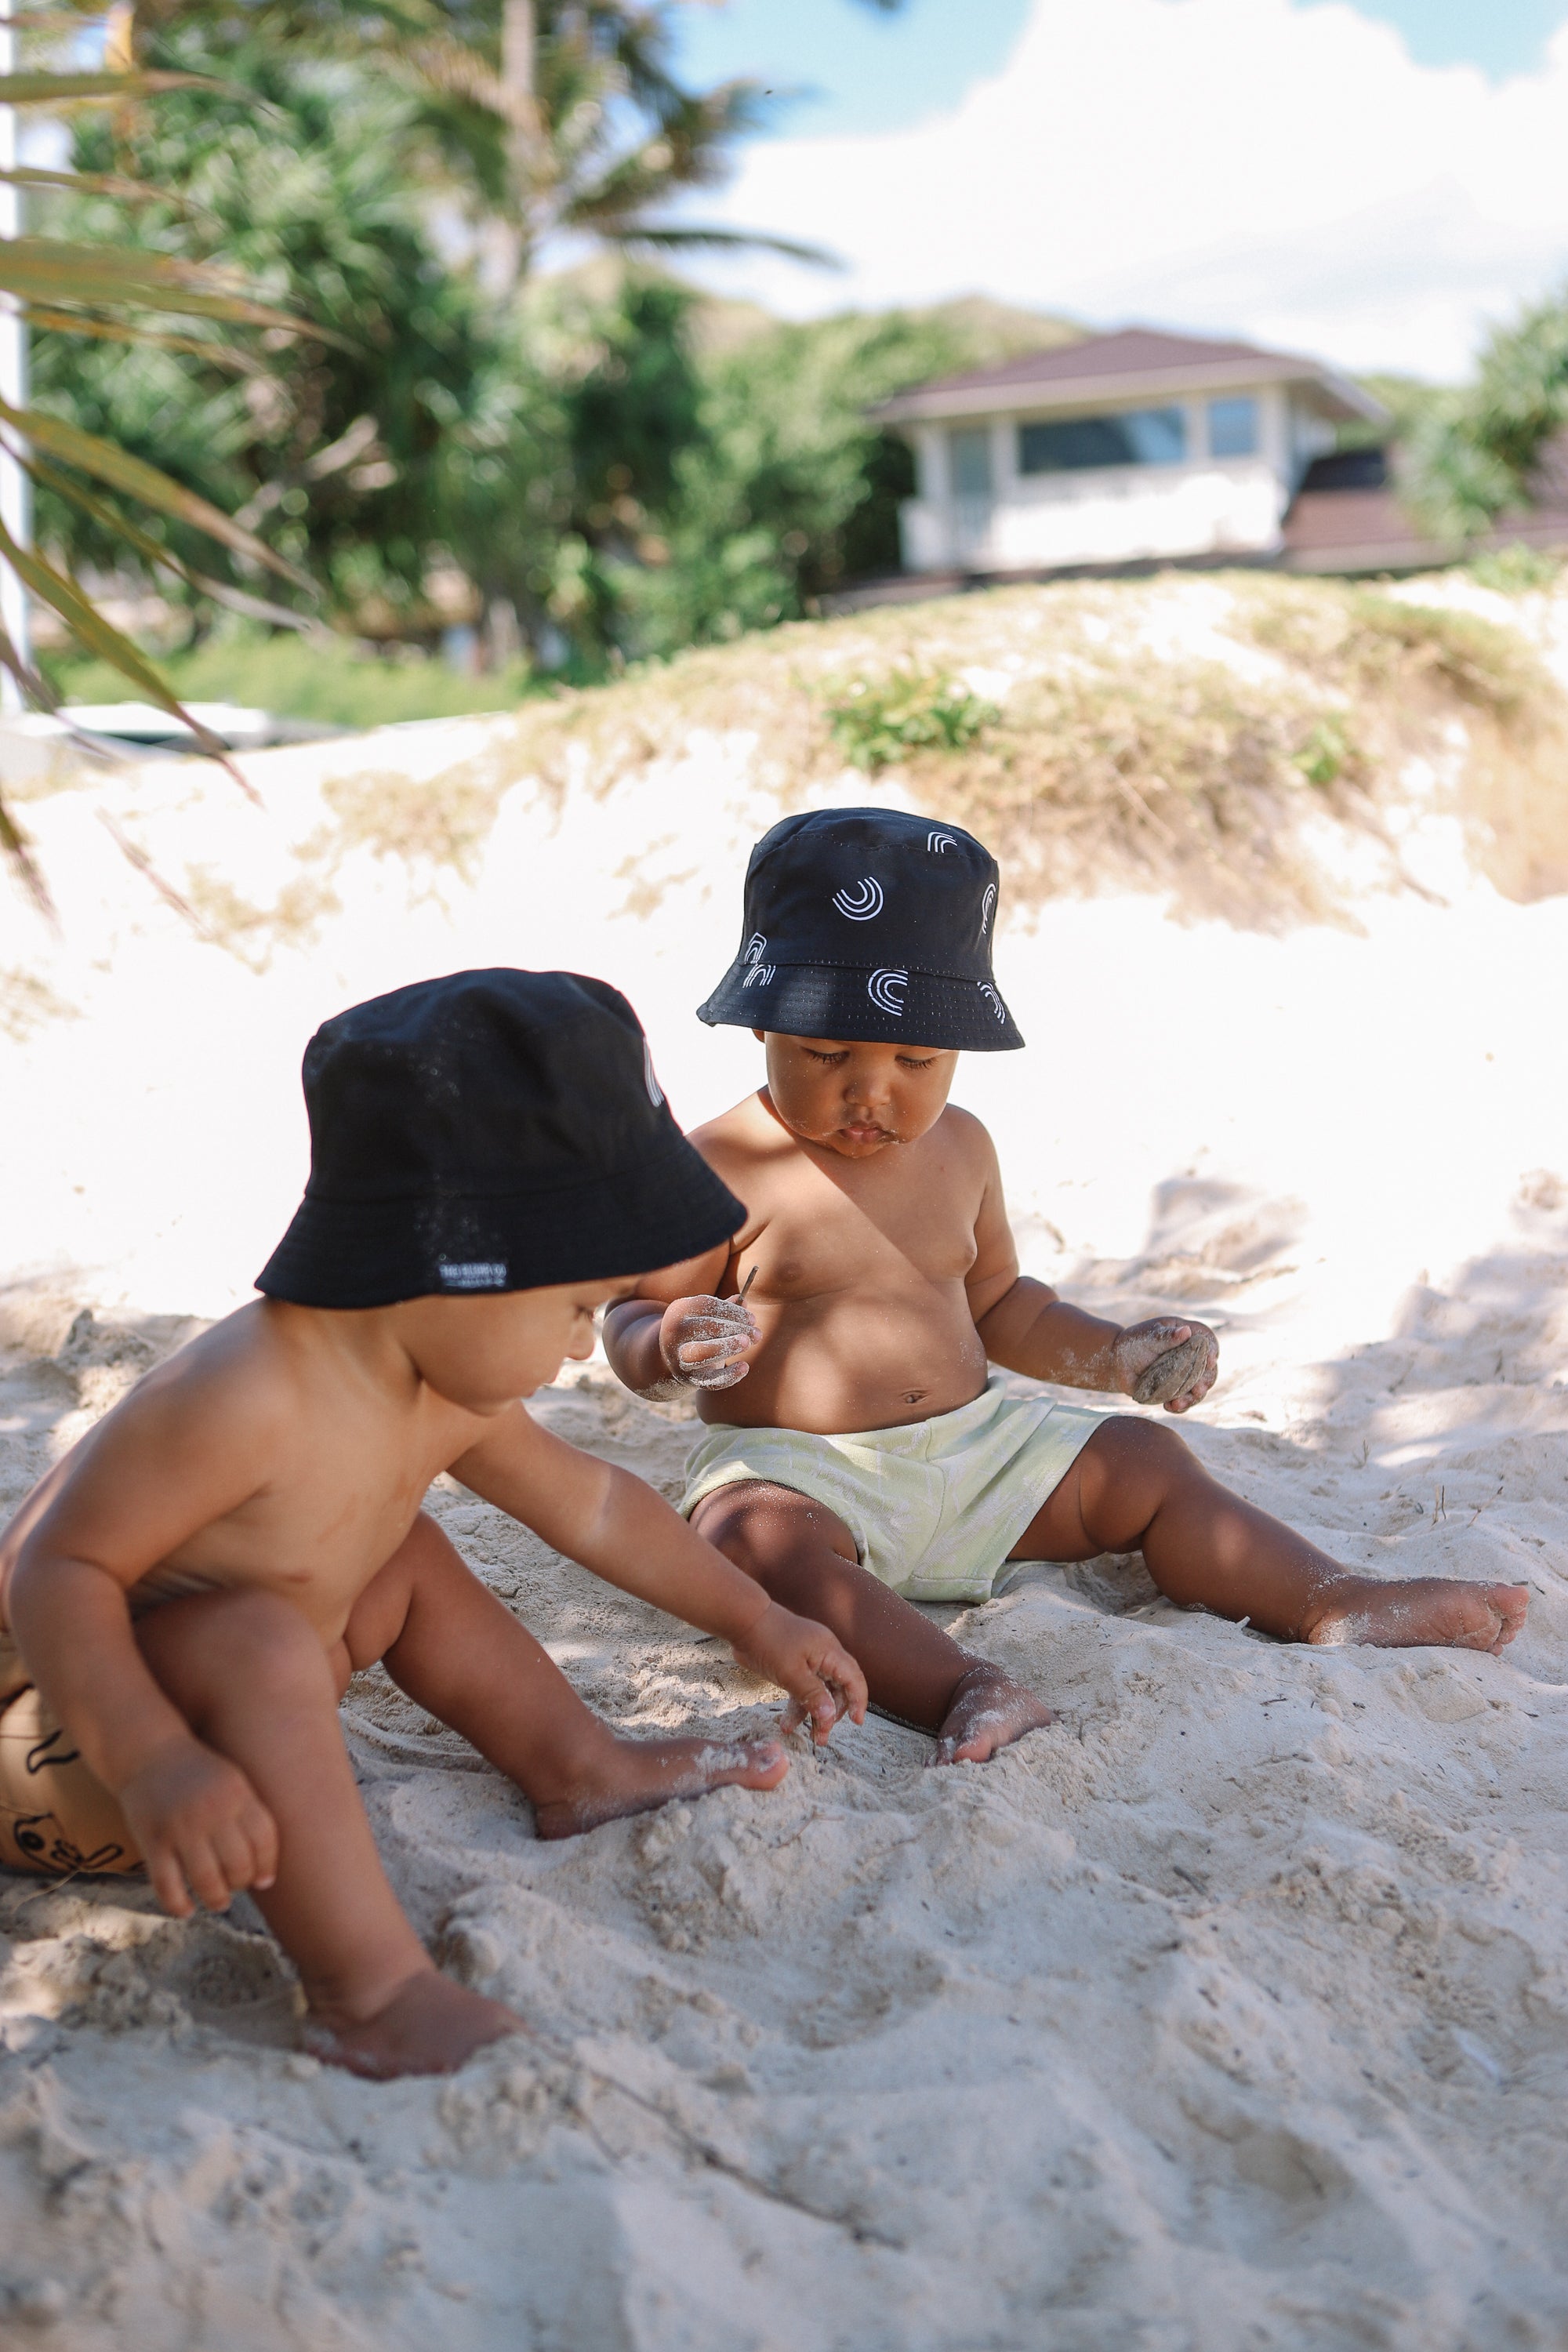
861	903
755	947
997	1006
762	973
655	1091
986	903
886	991
937	841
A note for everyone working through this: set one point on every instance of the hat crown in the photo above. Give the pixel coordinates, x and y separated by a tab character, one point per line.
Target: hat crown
876	886
495	1081
491	1131
869	923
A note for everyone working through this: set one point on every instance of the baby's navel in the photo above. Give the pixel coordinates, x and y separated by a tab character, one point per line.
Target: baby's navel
913	1396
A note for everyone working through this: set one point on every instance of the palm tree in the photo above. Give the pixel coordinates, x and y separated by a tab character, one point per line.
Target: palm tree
550	118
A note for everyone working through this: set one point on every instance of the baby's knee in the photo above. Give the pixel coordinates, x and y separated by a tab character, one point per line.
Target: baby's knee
1127	1471
1129	1448
765	1529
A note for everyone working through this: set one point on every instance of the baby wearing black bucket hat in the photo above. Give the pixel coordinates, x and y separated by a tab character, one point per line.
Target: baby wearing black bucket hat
187	1594
859	1454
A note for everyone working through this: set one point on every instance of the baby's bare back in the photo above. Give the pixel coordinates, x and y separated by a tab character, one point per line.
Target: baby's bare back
861	1267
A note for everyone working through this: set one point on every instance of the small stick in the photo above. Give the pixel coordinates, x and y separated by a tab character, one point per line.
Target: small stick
740	1296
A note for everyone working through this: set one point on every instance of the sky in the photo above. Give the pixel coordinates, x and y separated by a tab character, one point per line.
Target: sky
1376	182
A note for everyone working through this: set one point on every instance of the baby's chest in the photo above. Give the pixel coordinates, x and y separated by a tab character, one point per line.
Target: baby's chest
332	1513
831	1239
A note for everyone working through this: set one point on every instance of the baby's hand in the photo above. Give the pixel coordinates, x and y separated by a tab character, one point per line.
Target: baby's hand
203	1829
702	1341
821	1677
1166	1363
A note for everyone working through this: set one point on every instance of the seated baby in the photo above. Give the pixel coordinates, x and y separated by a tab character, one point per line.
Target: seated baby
184	1597
868	1460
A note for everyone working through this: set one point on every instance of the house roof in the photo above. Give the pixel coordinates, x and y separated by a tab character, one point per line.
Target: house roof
1137	364
1347	517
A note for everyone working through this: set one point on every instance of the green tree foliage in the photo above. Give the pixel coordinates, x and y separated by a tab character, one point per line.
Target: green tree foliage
547	116
625	466
790	490
1472	454
335	453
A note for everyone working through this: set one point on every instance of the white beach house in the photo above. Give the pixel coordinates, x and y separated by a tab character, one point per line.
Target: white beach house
1124	448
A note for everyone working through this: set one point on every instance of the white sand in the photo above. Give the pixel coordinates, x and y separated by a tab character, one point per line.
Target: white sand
1230	2013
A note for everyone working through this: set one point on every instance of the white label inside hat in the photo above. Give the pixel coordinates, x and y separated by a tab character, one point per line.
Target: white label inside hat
474	1273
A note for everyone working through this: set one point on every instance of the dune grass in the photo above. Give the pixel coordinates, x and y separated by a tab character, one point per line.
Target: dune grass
1183	734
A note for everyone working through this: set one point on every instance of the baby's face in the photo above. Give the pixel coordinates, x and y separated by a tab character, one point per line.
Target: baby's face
855	1098
484	1352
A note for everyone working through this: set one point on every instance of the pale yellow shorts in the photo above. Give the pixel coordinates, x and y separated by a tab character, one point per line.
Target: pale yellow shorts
54	1816
935	1507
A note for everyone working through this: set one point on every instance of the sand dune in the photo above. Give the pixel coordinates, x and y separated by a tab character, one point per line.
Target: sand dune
1230	2013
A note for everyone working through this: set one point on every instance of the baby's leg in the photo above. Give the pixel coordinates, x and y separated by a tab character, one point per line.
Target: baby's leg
1136	1488
452	1646
252	1680
804	1557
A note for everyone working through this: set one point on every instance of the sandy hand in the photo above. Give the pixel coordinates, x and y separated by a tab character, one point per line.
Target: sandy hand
703	1341
203	1829
823	1680
1166	1363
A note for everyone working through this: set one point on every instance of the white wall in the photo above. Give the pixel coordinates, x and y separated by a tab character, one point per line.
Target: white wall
1114	514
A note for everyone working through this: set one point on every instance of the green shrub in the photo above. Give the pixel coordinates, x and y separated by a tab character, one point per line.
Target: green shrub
328	678
875	722
1327	752
1516	569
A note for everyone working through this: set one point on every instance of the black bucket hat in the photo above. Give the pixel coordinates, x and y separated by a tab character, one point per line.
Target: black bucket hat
493	1131
865	923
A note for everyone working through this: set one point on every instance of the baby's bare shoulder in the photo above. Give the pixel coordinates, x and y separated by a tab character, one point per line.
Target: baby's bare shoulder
745	1136
233	1388
969	1137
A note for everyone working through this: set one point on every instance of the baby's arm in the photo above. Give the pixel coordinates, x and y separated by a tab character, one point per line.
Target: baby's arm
161	1466
616	1526
676	1335
1026	1327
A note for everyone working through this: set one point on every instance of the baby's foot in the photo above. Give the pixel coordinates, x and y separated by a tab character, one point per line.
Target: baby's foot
989	1711
1436	1610
428	2027
642	1773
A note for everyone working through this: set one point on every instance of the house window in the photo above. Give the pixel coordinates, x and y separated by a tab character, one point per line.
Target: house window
1138	436
969	463
1232	427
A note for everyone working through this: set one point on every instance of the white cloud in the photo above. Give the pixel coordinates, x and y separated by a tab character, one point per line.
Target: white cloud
1247	166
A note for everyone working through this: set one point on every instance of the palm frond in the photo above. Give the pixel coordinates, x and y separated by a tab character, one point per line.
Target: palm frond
114	331
635	234
72	89
64	596
56	269
106	463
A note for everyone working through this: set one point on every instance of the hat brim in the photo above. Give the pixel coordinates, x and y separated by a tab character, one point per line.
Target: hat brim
879	1007
361	1254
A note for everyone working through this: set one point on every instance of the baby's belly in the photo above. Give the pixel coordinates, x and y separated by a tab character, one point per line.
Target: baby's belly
849	1364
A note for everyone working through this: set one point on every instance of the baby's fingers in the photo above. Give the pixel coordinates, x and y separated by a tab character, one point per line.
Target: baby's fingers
168	1882
262	1832
206	1868
814	1708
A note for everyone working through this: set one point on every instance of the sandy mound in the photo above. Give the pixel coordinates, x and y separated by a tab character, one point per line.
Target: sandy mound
1230	2013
